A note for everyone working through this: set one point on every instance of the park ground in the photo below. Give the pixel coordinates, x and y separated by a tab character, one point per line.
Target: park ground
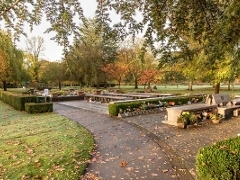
123	145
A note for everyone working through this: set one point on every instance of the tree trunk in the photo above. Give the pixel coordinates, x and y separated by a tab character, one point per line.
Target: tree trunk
59	85
217	88
119	82
148	85
4	85
190	85
229	85
135	83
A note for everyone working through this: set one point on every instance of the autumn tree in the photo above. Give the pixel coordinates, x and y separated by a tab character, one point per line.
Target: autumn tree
116	71
147	77
137	57
211	24
11	60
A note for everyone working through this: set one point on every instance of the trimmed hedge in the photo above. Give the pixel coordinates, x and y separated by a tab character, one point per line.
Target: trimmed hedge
179	100
32	108
17	101
220	161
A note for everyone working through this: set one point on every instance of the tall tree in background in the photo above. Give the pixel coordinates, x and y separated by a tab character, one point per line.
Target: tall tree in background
52	73
34	51
85	57
136	57
90	53
11	61
214	25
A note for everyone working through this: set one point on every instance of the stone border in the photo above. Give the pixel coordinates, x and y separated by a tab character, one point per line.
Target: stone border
140	112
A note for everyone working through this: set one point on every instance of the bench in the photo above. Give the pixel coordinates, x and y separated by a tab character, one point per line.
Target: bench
226	106
174	112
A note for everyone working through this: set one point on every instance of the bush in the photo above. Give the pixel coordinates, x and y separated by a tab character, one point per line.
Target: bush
179	100
220	161
32	108
17	101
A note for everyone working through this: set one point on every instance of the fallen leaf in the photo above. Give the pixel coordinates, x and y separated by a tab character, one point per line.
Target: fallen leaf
129	168
154	174
123	164
29	151
165	170
141	157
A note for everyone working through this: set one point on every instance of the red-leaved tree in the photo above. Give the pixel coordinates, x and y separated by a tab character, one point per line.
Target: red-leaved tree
116	71
148	77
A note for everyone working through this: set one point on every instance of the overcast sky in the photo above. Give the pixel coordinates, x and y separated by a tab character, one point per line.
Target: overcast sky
53	52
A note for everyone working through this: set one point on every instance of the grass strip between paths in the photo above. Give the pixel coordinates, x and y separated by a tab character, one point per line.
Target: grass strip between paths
42	146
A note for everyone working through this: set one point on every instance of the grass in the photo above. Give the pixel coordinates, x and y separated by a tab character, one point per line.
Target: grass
41	146
161	88
182	89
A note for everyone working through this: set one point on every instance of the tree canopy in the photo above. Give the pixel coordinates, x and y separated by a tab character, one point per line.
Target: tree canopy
60	14
204	31
11	60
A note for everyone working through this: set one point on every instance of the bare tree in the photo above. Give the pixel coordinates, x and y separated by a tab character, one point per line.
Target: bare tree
34	51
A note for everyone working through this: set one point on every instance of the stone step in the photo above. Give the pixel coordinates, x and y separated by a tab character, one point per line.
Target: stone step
95	107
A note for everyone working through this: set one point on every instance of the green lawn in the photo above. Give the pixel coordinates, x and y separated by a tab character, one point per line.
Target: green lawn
161	88
182	89
41	146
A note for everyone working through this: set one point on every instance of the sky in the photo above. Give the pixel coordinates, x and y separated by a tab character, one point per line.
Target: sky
53	52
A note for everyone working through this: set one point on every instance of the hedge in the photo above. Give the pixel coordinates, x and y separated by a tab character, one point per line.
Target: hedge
17	101
220	161
32	108
179	100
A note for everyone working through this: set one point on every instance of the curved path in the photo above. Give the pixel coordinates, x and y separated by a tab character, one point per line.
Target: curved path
125	150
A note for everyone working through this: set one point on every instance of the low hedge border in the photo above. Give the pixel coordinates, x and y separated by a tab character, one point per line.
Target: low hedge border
113	109
32	108
17	101
219	161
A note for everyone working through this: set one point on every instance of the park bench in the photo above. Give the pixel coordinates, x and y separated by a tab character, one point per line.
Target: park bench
226	106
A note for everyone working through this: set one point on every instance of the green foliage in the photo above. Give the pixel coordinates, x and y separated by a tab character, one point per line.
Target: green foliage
60	14
11	59
92	49
32	108
46	146
114	108
16	100
188	118
220	161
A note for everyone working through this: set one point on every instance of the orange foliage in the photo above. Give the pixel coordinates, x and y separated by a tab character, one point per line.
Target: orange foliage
148	76
115	71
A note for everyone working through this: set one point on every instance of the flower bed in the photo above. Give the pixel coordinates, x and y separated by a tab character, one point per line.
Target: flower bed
126	108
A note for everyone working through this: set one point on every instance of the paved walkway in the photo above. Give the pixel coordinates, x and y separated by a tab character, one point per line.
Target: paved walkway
144	148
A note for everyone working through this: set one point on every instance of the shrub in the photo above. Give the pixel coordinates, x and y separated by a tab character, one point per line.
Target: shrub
179	100
38	107
220	161
17	101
